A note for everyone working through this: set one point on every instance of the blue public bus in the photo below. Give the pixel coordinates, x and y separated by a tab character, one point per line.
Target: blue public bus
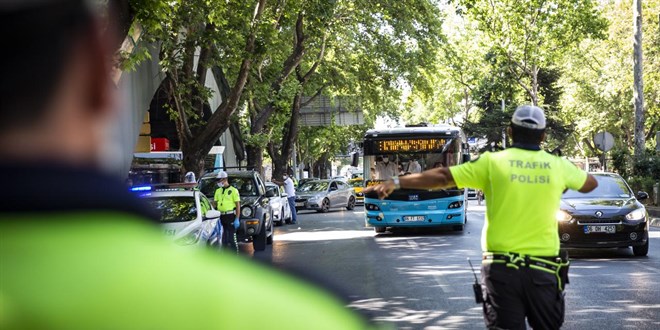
401	150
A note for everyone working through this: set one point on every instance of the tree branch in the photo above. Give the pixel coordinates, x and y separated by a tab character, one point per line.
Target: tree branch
311	99
183	119
292	61
219	120
319	58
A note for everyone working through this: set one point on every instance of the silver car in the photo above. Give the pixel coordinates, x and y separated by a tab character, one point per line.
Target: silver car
322	195
279	204
186	215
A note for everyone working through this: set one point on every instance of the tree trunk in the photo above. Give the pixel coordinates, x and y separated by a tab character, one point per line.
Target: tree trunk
638	89
320	167
193	160
281	159
535	85
255	158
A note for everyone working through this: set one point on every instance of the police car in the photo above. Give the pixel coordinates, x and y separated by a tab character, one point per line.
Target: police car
608	216
186	215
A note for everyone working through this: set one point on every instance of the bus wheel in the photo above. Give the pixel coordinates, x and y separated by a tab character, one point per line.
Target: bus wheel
380	229
458	228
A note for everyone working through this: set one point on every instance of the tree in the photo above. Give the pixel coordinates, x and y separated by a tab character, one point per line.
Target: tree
597	82
355	50
638	87
217	35
532	35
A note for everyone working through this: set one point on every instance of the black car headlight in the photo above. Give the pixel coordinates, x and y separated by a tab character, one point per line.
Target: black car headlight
246	211
637	214
563	216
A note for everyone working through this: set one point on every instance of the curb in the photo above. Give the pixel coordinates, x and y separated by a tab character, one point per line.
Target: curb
655	222
654	215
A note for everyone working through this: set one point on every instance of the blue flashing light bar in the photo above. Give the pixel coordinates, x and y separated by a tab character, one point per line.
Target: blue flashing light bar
141	188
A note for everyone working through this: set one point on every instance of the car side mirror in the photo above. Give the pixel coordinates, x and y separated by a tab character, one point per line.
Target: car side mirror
212	214
641	195
285	195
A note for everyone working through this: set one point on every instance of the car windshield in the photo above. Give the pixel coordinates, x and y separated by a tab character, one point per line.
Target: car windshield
174	209
274	189
608	187
208	186
245	186
356	183
314	186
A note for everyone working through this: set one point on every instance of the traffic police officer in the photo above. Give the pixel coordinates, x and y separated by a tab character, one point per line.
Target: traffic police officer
107	262
523	274
228	202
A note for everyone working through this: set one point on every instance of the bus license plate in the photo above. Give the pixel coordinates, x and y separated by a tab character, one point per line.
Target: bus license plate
414	218
599	229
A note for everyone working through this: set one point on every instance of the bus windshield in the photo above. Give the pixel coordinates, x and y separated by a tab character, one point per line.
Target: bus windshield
385	165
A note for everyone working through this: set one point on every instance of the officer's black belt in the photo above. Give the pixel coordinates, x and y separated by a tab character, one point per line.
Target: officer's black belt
553	265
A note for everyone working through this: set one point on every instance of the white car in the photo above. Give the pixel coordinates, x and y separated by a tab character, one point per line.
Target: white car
186	215
279	203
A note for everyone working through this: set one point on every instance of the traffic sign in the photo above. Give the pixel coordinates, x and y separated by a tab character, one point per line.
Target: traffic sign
604	141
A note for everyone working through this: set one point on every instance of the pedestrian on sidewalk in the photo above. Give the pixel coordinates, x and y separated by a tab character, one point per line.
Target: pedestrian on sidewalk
290	190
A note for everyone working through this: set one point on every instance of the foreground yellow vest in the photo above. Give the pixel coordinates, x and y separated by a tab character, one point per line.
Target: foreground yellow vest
99	270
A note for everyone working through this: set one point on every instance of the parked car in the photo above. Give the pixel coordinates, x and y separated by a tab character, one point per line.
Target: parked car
340	178
471	193
358	186
301	181
609	216
322	195
186	215
279	204
256	213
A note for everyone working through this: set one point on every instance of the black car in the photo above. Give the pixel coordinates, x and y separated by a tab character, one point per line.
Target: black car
256	213
609	216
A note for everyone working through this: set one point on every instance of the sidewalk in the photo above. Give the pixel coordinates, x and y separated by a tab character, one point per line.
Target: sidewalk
654	214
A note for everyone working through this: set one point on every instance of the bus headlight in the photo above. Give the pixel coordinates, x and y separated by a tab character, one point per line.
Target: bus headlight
563	216
638	214
246	211
372	207
455	205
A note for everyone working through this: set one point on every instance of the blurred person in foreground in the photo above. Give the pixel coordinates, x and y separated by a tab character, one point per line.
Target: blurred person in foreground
77	250
523	272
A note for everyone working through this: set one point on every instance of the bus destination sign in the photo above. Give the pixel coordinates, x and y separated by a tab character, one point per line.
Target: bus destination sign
409	145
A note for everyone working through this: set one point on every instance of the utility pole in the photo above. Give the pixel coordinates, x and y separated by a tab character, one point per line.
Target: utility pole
638	85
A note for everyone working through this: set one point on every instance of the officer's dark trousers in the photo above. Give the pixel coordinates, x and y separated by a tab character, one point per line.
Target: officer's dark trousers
229	232
512	294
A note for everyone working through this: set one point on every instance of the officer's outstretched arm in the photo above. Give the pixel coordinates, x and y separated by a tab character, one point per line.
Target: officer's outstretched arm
436	178
589	185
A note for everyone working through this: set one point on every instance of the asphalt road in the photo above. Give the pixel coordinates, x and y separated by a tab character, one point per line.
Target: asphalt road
419	280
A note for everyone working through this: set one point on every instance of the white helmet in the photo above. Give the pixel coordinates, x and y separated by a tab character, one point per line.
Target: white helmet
221	175
190	178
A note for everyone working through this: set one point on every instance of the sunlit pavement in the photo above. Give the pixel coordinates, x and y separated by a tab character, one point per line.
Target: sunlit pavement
420	280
